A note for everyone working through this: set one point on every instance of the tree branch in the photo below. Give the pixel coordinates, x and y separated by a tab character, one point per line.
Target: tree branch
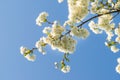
83	22
34	49
49	22
96	17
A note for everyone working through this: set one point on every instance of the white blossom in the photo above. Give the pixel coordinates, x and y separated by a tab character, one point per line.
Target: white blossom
75	31
40	45
118	68
57	29
64	42
104	23
56	65
46	30
117	5
117	39
30	57
94	6
79	32
67	45
110	1
65	69
68	22
60	1
41	18
78	9
23	50
118	60
114	49
103	11
106	44
27	54
109	35
94	27
117	31
41	49
53	41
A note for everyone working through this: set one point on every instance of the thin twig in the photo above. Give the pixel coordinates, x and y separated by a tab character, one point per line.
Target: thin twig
96	17
34	49
79	26
49	22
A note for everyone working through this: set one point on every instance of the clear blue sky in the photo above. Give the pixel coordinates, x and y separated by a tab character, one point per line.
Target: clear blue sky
92	60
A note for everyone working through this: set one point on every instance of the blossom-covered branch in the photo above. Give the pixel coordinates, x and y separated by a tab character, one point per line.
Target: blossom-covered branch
116	11
62	37
84	22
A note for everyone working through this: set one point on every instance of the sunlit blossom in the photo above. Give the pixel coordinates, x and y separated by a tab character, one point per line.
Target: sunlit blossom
114	49
118	68
41	18
65	69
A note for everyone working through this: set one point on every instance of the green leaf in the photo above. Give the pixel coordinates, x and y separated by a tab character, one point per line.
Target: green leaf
45	20
67	60
27	52
92	0
43	44
66	57
112	43
62	64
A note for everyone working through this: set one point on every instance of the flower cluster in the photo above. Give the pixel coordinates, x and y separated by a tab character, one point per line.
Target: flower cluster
65	44
66	69
60	1
117	32
97	6
79	32
62	66
114	44
40	45
118	66
94	28
94	6
78	9
62	37
57	29
42	18
114	49
117	5
27	53
105	24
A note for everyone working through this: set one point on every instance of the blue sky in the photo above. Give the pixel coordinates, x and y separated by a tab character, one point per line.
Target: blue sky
92	60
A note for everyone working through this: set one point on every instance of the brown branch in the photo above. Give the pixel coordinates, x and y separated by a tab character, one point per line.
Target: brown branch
97	16
49	22
34	49
83	22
